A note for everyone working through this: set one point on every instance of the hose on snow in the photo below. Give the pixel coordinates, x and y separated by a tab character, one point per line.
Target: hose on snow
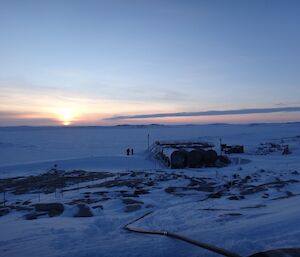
206	246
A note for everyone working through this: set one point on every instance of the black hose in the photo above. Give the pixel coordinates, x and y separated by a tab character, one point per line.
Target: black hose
179	237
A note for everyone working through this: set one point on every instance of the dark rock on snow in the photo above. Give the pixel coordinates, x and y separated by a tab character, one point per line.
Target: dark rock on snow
131	201
53	209
83	211
132	207
4	211
34	215
292	252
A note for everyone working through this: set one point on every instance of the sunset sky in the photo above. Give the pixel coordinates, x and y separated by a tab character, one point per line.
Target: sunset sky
109	62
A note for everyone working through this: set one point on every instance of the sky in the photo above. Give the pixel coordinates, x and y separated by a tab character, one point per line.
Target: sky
108	62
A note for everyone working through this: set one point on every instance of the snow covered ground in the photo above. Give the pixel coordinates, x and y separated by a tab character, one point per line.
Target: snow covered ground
245	208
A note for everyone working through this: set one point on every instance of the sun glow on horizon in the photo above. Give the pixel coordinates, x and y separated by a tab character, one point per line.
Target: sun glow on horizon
66	115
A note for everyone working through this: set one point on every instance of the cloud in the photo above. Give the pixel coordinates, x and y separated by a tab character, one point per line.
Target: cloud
208	113
14	118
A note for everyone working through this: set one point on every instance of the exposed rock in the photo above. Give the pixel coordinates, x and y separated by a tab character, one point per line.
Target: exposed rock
102	193
132	207
26	202
141	191
200	185
170	190
98	206
231	214
278	253
288	195
130	195
254	206
224	159
23	208
34	215
235	176
131	201
120	183
53	209
149	183
4	211
236	197
50	181
20	208
83	211
253	190
266	195
215	209
216	195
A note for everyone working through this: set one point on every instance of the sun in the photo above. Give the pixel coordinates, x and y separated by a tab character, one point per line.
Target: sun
66	116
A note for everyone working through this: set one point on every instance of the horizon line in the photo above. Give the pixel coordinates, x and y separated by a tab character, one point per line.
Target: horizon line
150	124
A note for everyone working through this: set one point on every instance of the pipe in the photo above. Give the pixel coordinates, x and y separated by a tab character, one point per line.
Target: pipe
179	237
